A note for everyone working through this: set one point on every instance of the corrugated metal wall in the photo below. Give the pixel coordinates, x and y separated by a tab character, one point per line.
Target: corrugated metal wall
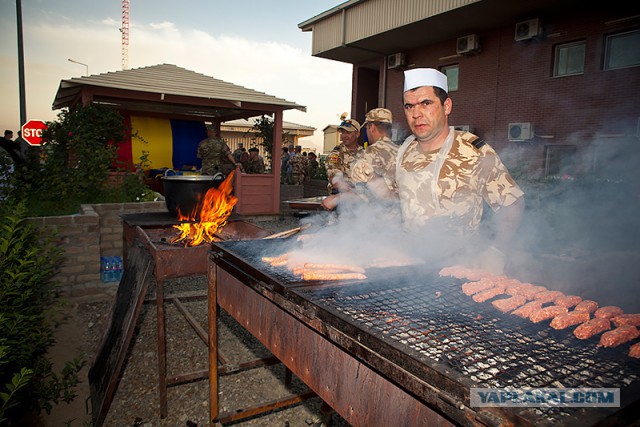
373	17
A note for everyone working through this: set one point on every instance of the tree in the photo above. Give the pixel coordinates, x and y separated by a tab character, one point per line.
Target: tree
264	128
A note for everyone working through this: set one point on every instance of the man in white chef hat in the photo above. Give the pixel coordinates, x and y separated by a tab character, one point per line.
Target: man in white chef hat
446	175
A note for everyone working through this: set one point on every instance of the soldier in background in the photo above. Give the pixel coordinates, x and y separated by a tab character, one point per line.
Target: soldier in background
255	164
237	153
313	165
299	166
215	154
376	165
342	156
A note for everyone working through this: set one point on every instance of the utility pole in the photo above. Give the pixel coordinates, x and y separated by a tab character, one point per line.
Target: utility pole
23	102
125	34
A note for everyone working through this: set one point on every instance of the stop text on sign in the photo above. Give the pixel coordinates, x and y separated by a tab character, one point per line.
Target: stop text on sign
32	132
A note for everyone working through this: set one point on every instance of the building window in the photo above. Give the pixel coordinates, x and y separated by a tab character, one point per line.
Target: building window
622	50
569	59
452	76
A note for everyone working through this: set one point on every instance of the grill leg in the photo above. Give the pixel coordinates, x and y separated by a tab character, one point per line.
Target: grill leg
162	355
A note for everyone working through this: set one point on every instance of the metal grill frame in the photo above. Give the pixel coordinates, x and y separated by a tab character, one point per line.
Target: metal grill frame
387	358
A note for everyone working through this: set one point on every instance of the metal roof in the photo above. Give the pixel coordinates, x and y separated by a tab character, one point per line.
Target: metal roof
167	81
248	123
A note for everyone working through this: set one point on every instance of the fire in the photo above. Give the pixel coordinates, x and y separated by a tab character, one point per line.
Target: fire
213	211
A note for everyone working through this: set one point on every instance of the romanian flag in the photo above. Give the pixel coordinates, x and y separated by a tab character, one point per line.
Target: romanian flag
167	143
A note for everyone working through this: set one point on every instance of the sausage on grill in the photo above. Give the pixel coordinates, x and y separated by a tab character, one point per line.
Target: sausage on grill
618	336
608	312
591	328
508	304
567	300
548	296
332	276
488	294
587	305
526	310
627	319
570	319
634	350
547	313
471	288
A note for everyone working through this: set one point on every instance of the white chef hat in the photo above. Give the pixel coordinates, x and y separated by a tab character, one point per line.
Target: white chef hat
424	77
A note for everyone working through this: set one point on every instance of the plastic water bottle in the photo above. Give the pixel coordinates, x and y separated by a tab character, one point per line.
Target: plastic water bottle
117	276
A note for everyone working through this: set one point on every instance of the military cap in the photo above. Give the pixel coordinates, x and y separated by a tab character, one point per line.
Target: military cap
350	125
381	115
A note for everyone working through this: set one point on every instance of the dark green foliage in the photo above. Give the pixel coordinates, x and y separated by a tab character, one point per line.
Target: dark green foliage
264	129
28	299
74	165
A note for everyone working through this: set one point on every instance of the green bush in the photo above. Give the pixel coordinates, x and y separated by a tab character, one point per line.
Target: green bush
29	298
73	166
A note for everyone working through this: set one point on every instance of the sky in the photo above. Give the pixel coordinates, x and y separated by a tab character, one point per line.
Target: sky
255	44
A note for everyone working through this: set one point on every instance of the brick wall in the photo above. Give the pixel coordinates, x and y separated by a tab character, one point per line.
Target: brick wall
94	232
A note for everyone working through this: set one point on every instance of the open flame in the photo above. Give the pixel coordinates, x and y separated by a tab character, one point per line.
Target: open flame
208	215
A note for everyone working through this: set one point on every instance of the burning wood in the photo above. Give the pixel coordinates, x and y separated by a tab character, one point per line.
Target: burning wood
213	212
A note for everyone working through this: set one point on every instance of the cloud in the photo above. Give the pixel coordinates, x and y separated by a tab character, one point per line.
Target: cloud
278	69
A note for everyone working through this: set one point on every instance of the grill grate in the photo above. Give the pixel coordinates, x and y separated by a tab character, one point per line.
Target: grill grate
428	318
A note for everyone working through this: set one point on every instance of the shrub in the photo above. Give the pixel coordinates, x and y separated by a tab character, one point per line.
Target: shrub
29	298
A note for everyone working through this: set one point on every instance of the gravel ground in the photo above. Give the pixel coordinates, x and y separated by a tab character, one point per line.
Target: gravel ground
136	401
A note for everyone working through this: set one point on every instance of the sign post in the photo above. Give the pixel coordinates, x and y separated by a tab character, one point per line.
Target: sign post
32	132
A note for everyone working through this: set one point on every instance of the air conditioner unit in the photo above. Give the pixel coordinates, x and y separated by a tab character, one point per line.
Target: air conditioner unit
463	128
520	131
395	61
526	30
467	44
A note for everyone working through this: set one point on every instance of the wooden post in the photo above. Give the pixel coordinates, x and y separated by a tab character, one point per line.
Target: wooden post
213	341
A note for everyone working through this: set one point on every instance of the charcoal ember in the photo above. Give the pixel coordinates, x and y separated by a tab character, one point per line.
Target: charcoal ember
627	319
591	328
567	300
547	313
509	304
618	336
586	305
608	312
570	319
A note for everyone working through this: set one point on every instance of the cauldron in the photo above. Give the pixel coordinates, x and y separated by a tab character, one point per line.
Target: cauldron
185	192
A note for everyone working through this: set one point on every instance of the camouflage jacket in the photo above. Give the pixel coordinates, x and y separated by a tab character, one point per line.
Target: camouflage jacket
299	164
471	173
378	158
339	163
255	165
213	152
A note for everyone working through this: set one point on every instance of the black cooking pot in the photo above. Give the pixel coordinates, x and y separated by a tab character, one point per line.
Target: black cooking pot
185	192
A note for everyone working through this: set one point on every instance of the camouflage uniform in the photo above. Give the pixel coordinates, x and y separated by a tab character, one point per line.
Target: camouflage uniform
339	163
299	168
378	158
470	172
255	165
213	152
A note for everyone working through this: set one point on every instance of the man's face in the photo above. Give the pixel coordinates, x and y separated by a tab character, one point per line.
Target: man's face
253	154
373	134
9	135
426	116
350	139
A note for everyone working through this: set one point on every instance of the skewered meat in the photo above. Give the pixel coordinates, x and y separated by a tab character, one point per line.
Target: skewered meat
634	350
627	319
608	312
591	328
567	300
526	310
530	293
471	288
618	336
570	319
547	313
488	294
508	304
333	267
307	275
586	305
548	296
278	258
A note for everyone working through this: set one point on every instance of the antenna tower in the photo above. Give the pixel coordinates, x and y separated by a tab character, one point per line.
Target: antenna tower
125	34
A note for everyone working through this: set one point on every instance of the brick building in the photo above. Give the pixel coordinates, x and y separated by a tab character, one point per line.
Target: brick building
553	85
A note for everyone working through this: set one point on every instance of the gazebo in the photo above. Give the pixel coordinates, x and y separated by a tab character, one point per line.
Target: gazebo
169	106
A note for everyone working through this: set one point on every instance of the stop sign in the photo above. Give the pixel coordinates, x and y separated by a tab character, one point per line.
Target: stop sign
32	132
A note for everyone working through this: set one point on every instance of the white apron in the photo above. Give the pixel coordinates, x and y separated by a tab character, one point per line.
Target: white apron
417	209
